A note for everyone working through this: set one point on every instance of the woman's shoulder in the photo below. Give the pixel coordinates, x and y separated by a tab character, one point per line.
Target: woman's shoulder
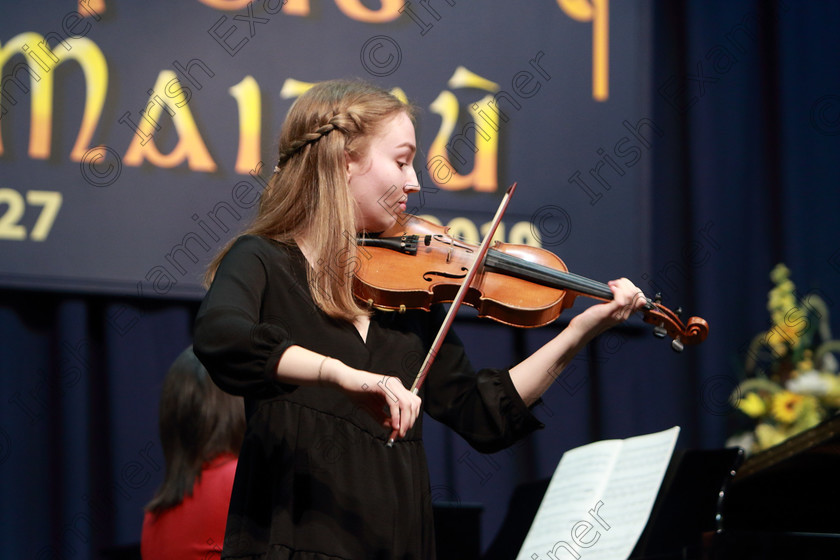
253	254
222	466
262	247
216	474
253	242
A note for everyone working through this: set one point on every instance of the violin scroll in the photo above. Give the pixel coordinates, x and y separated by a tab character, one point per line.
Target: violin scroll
668	323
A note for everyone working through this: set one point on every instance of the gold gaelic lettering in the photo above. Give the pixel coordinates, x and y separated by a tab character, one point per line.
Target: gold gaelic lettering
479	138
190	146
355	9
389	11
247	95
598	12
38	64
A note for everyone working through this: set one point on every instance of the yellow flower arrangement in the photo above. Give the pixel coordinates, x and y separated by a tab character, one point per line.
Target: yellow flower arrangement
792	382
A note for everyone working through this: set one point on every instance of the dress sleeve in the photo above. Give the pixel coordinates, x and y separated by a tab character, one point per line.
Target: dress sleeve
238	348
483	407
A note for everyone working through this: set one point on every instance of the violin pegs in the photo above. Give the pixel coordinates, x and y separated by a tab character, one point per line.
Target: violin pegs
678	312
659	331
677	345
657	298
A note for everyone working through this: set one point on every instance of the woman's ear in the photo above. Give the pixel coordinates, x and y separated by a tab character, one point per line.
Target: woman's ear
348	164
354	164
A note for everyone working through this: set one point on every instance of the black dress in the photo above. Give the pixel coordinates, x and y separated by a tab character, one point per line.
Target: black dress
315	479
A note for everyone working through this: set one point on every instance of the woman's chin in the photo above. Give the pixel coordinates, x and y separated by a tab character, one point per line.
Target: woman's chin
379	225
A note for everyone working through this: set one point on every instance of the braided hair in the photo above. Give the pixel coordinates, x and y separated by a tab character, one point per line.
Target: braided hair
308	195
296	145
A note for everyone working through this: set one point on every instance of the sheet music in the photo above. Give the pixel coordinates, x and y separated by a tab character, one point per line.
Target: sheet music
599	499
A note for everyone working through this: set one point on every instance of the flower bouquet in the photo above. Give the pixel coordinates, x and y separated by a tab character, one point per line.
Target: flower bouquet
791	382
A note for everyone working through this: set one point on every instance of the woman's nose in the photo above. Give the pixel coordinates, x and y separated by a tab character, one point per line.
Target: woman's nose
413	184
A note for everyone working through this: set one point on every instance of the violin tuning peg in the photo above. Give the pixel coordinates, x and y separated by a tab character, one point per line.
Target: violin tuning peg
657	298
677	345
659	331
678	312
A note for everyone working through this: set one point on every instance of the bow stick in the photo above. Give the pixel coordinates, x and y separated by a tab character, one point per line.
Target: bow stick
459	299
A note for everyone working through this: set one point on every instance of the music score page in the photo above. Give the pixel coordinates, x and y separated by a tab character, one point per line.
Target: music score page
599	499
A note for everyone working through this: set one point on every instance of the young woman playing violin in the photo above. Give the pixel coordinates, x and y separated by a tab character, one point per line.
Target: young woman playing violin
324	377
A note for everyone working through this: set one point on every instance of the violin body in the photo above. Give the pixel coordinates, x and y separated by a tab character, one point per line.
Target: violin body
416	264
394	280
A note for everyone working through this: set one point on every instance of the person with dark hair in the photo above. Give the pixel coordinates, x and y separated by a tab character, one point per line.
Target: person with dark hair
201	431
325	376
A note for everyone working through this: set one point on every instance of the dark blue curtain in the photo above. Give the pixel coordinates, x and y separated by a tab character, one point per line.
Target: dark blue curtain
745	129
80	452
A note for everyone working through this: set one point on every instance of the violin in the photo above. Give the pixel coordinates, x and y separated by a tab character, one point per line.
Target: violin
416	263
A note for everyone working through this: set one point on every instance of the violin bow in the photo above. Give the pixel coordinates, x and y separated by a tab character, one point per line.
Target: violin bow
459	298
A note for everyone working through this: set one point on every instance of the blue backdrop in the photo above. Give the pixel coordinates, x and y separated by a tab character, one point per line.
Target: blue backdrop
698	154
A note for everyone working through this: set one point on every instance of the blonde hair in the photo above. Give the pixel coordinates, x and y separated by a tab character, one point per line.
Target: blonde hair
308	195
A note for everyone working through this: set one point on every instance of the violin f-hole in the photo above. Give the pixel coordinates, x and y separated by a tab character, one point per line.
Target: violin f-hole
426	275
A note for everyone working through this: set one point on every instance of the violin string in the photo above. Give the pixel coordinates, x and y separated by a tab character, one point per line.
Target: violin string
552	277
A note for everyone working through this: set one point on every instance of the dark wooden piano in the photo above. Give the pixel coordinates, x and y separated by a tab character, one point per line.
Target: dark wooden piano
784	502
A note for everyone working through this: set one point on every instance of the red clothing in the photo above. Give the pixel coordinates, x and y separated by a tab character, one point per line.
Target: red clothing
194	529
